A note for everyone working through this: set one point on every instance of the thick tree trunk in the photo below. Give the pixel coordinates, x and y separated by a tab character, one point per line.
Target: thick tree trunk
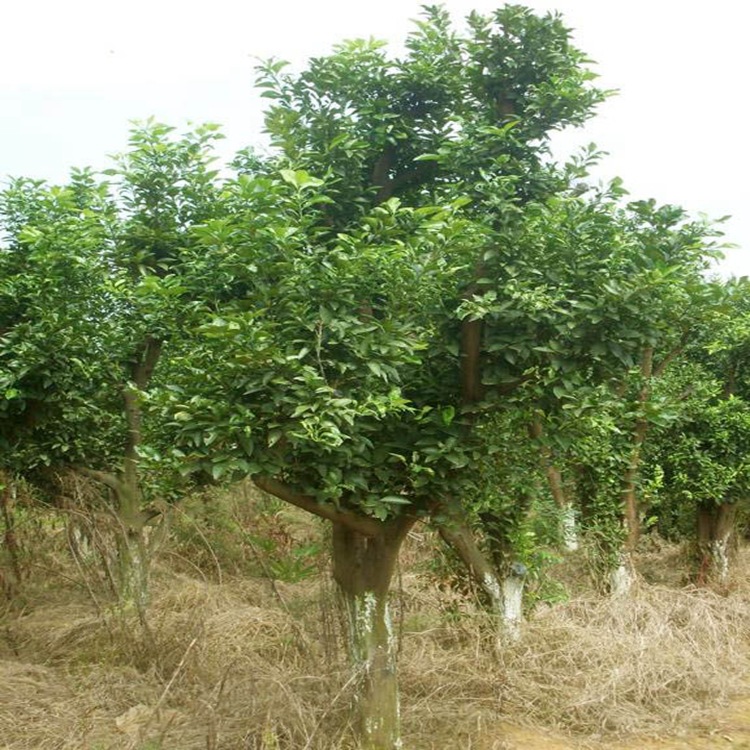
134	571
363	566
715	523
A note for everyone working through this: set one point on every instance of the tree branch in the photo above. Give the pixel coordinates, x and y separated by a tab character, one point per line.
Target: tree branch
547	459
361	524
457	534
104	477
659	369
143	368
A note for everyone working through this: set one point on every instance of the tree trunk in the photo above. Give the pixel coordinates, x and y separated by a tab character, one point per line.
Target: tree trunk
504	593
12	579
568	525
135	563
460	539
622	577
513	586
133	570
715	523
363	566
631	512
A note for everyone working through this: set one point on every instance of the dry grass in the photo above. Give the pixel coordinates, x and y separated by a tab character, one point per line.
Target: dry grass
244	665
660	661
227	667
647	663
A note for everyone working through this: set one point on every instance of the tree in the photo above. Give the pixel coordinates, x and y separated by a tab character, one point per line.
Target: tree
700	461
338	364
89	300
357	320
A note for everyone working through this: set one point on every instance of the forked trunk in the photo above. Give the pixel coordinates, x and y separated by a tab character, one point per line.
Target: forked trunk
715	529
363	567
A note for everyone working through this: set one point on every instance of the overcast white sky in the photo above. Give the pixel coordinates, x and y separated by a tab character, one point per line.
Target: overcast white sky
73	73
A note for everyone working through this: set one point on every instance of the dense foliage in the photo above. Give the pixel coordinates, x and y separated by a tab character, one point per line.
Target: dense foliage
407	310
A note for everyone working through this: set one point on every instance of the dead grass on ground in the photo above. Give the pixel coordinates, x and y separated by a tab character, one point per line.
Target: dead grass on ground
246	665
652	662
658	662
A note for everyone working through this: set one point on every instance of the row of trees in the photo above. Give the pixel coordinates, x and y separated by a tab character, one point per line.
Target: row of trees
405	311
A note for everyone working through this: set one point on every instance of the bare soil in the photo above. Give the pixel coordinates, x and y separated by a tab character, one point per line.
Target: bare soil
730	729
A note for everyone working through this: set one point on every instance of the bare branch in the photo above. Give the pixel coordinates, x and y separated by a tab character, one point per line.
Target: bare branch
361	524
104	477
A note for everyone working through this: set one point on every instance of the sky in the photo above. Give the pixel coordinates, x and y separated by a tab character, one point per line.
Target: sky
74	74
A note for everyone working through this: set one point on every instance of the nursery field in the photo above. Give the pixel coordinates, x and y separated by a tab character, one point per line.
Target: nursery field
392	432
242	650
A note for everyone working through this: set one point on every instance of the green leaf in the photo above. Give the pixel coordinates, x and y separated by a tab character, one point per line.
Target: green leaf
447	414
395	500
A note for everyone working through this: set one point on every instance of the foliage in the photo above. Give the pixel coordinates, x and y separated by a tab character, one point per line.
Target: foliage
88	276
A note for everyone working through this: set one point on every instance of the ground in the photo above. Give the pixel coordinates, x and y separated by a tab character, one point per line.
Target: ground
234	660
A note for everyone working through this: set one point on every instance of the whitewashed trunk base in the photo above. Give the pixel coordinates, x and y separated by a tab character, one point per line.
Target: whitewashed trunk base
569	524
719	551
622	578
513	606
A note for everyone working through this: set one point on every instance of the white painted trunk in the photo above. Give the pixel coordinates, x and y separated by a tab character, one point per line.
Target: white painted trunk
494	591
569	524
622	578
719	551
133	569
513	606
374	648
507	605
363	567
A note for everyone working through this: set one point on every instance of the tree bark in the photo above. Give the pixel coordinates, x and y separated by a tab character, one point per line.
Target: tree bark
623	576
715	522
631	514
133	559
12	579
502	584
363	567
460	539
568	526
